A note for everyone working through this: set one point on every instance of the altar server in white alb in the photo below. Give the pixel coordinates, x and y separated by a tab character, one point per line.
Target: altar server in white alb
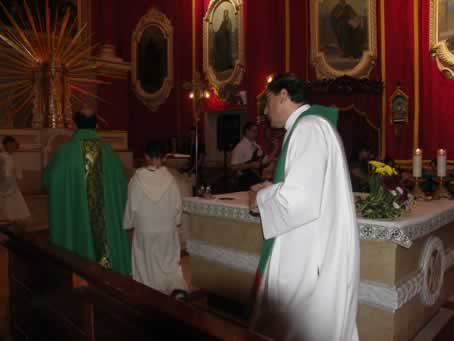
12	204
310	256
153	210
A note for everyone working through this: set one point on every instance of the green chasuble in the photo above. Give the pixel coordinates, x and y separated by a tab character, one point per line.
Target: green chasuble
331	115
86	184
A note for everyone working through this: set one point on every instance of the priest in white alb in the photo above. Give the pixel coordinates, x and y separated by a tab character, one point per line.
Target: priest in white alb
310	257
12	204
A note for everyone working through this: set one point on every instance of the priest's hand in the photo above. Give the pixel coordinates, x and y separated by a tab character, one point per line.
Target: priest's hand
258	187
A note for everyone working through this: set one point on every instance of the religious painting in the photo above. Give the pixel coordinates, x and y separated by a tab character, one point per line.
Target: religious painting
442	35
223	55
343	37
152	59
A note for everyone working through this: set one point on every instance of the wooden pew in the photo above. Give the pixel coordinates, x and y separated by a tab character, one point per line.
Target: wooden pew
46	304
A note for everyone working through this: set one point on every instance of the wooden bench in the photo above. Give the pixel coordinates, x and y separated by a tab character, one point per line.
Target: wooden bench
46	304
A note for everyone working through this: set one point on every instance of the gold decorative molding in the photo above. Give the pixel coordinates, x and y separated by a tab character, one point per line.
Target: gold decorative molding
153	18
416	73
110	65
383	78
287	35
84	17
236	75
439	48
367	62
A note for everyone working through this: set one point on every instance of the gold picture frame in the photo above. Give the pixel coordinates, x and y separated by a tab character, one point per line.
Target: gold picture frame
152	59
223	43
441	43
398	106
343	38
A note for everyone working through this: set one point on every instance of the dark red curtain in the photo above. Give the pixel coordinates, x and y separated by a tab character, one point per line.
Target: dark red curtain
437	93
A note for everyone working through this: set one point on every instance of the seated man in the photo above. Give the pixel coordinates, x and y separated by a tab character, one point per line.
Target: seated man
153	211
248	159
12	204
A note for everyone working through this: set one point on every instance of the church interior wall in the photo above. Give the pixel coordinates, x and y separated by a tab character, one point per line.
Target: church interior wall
277	38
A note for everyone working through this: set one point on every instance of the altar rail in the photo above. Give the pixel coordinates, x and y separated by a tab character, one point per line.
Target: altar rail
45	303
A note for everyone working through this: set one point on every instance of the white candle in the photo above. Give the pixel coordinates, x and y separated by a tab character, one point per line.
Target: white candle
441	162
417	163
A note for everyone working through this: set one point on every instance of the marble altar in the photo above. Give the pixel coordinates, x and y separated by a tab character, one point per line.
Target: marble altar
405	263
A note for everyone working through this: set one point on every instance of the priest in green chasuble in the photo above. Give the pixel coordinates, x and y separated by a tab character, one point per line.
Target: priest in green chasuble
86	184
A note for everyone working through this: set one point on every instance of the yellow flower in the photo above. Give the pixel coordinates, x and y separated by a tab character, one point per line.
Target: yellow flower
380	170
377	164
388	170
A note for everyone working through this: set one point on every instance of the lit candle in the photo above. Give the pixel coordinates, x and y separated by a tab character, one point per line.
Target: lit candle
441	162
417	163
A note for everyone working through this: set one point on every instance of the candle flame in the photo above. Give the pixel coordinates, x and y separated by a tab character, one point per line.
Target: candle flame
441	151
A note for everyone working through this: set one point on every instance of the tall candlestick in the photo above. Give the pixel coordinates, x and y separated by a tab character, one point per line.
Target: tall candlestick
417	163
441	163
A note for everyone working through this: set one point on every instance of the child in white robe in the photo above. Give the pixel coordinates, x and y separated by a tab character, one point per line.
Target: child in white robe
13	207
153	211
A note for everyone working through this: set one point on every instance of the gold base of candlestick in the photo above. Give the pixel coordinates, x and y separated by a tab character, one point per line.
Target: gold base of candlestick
441	192
417	192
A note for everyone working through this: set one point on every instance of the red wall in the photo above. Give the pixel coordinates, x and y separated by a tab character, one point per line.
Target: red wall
114	22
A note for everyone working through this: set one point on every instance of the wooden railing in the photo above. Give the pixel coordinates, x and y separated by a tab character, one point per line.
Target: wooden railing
48	301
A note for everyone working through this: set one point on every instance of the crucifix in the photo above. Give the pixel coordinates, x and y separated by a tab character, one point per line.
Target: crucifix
199	91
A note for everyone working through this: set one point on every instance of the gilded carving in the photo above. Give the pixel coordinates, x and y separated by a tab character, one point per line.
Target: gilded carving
441	35
152	59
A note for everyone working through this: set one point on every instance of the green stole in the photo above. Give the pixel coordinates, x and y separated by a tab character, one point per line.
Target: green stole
331	115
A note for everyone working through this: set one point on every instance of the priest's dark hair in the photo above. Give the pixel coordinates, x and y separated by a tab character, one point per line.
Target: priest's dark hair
84	121
155	149
8	139
288	81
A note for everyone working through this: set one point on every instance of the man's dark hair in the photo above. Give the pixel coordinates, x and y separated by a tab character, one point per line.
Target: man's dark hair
155	149
247	126
8	139
84	121
294	86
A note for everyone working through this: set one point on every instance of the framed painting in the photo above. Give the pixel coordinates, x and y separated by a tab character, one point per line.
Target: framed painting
223	43
152	59
442	35
343	37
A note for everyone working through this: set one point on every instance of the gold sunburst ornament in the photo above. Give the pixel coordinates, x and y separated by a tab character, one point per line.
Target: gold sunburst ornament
45	67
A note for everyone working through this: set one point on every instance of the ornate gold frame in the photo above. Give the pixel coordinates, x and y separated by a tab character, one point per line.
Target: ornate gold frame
368	60
398	92
156	18
439	49
239	68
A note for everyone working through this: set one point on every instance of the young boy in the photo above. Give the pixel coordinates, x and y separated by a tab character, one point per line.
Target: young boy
153	211
12	204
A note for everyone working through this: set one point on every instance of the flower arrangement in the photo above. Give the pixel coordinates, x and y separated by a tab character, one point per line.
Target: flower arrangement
388	199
